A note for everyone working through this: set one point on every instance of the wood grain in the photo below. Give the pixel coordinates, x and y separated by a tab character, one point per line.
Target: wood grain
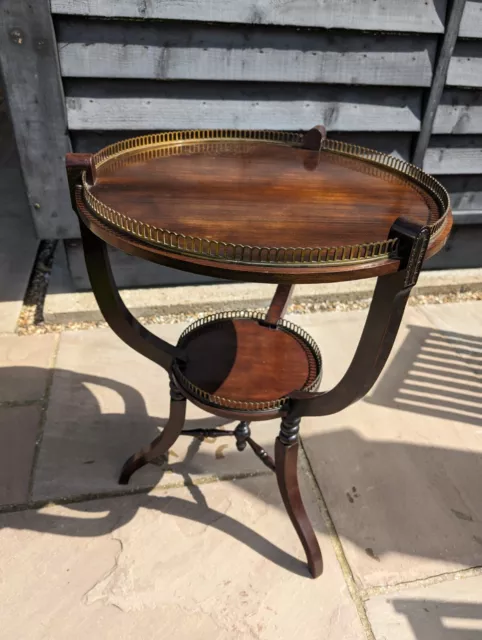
383	15
261	194
248	362
123	104
193	52
465	192
29	65
459	111
465	68
454	15
337	272
471	25
454	154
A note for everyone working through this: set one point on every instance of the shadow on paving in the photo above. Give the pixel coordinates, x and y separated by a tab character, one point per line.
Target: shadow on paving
441	620
436	373
451	474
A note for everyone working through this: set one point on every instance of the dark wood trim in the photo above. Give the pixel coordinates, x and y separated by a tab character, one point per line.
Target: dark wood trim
280	303
233	271
161	445
381	328
116	314
286	463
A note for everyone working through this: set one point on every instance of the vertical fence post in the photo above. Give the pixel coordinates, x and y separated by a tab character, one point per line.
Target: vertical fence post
454	13
30	68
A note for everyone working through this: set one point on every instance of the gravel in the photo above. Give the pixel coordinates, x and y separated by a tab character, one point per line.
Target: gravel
31	319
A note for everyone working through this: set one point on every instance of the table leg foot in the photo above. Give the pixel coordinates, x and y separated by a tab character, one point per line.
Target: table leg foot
130	466
286	459
162	443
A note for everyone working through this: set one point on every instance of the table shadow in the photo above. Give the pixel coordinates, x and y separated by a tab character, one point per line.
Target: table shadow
440	619
435	373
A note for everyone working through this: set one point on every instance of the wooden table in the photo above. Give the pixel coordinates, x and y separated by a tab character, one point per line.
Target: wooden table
263	207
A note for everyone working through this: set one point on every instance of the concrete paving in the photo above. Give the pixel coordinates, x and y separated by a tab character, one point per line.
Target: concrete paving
24	366
199	546
216	562
399	470
121	401
441	611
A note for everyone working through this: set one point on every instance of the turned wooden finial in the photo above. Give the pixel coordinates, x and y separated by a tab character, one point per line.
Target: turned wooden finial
312	141
314	137
78	162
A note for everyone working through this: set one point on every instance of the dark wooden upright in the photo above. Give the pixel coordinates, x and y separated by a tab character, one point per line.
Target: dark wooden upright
266	207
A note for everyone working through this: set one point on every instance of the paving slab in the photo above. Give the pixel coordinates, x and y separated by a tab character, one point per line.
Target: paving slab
401	470
18	433
218	561
24	366
449	610
107	402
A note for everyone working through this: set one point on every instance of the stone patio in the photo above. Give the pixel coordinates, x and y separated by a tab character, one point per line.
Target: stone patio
200	546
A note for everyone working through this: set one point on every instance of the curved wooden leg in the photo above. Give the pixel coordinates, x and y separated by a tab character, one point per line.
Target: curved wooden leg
286	461
116	314
163	442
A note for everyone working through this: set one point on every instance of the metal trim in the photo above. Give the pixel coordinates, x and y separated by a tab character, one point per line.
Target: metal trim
186	142
306	341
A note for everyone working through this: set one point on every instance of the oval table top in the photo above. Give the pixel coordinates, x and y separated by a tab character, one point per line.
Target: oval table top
259	206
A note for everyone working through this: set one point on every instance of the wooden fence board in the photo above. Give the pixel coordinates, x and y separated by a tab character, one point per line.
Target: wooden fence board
465	192
29	64
454	155
149	105
397	144
439	79
465	68
459	111
120	49
382	15
471	25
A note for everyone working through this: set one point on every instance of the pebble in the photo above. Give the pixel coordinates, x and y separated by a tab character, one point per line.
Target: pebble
31	316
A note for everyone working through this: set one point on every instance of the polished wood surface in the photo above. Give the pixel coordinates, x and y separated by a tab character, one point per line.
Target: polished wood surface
326	272
244	360
252	361
119	318
258	193
286	467
280	303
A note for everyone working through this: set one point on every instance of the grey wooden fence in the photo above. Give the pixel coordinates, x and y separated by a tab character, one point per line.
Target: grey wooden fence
403	77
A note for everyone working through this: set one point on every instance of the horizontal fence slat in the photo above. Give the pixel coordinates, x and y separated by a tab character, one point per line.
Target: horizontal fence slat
471	25
169	105
133	50
454	155
465	68
468	217
459	111
382	15
396	144
465	192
